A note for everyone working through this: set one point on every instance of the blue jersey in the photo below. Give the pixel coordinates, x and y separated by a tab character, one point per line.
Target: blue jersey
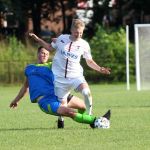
40	79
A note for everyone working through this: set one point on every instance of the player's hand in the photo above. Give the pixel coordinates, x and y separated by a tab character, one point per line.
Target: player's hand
54	40
35	37
105	70
13	104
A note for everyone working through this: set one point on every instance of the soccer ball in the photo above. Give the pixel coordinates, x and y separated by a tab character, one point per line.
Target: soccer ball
102	122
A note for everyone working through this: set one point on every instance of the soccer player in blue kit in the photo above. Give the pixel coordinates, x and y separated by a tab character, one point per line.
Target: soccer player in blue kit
39	81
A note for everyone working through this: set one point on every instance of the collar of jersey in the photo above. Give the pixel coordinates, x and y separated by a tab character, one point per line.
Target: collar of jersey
48	64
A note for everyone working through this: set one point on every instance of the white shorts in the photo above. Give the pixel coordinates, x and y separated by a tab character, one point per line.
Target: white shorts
63	86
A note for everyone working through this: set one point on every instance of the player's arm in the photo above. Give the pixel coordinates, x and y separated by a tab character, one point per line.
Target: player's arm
22	92
92	64
41	42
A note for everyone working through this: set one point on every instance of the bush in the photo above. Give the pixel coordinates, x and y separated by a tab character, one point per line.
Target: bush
14	56
108	50
13	50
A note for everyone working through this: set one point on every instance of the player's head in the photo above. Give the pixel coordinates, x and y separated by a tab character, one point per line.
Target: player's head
77	28
42	54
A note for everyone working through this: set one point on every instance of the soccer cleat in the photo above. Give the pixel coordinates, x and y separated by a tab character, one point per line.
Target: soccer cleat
60	123
92	125
107	115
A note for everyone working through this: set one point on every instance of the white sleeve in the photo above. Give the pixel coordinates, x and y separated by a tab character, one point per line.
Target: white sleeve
87	52
55	44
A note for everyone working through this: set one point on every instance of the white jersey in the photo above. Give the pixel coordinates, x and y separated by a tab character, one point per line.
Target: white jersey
66	62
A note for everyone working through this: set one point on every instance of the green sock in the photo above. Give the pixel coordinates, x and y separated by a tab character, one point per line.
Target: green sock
80	111
84	118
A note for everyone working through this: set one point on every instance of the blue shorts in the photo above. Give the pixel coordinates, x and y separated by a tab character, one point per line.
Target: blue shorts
49	104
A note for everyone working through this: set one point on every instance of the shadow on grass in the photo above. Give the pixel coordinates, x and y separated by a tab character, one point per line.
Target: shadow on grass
25	129
131	106
34	129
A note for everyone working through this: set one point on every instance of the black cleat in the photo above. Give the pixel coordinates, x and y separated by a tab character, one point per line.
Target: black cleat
108	114
92	125
60	123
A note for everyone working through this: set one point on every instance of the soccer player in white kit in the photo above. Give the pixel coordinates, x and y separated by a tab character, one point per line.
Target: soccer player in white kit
66	64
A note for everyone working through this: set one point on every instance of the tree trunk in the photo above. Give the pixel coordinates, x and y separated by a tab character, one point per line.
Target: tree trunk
36	12
63	15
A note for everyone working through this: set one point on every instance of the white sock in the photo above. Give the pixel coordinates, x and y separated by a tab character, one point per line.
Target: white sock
60	118
88	100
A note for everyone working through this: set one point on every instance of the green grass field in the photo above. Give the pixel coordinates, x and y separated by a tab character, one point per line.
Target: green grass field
27	127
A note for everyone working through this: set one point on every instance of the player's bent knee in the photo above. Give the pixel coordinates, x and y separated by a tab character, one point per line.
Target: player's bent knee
83	108
86	92
70	114
64	111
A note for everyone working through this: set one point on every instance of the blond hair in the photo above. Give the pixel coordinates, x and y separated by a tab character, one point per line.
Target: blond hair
77	23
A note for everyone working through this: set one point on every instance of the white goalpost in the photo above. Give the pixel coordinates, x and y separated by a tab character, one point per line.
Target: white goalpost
127	58
142	56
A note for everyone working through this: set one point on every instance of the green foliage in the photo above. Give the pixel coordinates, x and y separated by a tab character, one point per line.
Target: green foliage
13	50
14	56
108	49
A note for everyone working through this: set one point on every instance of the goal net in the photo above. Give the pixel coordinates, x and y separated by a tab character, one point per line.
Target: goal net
142	56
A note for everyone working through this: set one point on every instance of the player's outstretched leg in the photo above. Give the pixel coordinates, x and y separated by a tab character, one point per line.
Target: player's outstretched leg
93	121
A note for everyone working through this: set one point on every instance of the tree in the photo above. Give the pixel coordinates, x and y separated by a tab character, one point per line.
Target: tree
38	9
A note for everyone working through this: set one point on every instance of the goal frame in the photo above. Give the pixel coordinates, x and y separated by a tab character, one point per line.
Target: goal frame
137	57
